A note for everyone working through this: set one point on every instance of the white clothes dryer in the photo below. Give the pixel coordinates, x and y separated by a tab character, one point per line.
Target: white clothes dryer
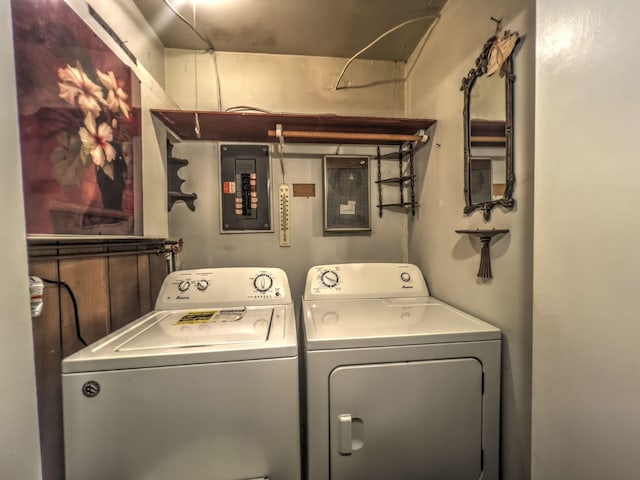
204	386
398	384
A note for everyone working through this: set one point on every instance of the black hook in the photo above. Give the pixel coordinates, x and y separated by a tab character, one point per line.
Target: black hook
498	24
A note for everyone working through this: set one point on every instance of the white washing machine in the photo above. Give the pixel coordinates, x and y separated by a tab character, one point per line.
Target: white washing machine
203	387
398	384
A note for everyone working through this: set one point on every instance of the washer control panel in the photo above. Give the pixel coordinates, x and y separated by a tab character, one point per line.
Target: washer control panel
365	280
210	287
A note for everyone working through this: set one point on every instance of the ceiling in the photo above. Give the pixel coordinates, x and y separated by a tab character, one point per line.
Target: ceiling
333	28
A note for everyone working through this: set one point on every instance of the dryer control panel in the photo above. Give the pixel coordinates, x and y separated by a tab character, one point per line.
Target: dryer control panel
208	287
365	280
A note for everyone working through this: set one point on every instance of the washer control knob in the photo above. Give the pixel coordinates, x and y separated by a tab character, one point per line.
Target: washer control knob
263	282
329	278
184	285
405	277
202	285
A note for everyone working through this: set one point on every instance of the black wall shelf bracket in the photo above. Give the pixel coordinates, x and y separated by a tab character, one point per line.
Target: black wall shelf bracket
485	237
174	182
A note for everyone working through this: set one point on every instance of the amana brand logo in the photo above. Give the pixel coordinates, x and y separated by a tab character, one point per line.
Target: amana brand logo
407	286
179	297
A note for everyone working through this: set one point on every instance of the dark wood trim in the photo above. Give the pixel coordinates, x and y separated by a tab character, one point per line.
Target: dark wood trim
254	127
47	339
114	281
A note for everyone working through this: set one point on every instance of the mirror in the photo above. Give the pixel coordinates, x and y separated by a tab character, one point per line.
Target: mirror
488	127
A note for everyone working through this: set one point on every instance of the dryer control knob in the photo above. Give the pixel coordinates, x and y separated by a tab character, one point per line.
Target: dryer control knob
329	278
202	285
405	277
184	285
263	282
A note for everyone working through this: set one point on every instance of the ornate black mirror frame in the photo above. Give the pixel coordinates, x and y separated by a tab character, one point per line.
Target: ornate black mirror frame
506	72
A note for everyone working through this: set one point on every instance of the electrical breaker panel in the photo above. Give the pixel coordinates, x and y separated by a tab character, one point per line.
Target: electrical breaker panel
245	188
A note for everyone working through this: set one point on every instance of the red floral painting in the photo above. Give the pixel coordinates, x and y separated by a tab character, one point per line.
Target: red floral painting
79	120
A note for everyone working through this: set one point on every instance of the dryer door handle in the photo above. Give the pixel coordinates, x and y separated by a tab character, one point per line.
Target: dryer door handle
344	434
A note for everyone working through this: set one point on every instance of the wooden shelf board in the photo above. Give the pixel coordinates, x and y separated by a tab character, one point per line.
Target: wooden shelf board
254	127
488	128
477	141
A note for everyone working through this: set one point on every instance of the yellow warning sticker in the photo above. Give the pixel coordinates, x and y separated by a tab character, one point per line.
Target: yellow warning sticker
210	316
193	318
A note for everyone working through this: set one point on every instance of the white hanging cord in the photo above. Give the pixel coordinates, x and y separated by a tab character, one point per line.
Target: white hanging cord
423	42
195	75
215	69
195	79
426	36
417	19
177	14
211	50
280	148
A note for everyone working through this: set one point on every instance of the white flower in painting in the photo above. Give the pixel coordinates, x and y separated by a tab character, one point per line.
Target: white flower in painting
116	98
96	141
77	89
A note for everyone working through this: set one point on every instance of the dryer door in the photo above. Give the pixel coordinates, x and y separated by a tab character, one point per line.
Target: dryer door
410	420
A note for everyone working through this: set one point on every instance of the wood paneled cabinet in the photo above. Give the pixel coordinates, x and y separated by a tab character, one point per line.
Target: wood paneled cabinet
113	282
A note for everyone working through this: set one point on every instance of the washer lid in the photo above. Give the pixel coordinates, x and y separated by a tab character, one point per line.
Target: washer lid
389	322
193	336
201	328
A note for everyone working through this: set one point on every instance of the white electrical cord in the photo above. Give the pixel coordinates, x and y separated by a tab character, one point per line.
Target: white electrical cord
280	148
177	14
195	76
195	79
215	69
417	19
211	50
426	36
247	108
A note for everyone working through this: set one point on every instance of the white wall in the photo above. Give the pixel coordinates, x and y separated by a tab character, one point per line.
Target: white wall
290	84
20	452
450	261
586	336
284	83
206	247
132	28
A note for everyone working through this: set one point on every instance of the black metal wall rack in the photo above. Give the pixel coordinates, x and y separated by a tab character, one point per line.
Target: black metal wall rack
406	179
